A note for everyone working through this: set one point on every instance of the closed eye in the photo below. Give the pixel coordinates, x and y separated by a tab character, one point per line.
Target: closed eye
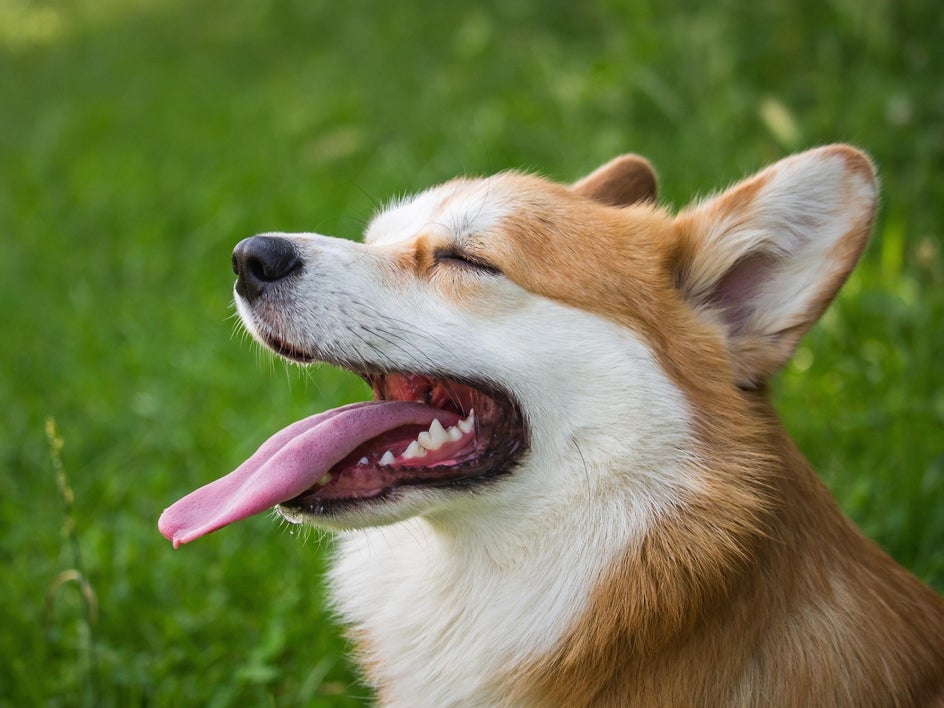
459	259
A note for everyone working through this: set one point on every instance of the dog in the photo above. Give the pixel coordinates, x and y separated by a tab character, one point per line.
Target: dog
570	487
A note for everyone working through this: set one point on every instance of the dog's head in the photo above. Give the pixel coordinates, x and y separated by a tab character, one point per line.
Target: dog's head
531	343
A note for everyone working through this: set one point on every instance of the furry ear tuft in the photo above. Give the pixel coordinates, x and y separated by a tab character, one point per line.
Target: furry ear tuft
624	180
766	257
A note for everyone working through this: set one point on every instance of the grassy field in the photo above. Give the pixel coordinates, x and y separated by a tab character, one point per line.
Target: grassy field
140	139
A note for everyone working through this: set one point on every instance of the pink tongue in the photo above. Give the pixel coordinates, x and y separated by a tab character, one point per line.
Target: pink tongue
287	464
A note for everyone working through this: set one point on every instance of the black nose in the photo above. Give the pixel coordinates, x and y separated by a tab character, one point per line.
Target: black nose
262	260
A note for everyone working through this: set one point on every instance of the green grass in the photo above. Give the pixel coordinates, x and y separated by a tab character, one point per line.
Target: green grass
139	140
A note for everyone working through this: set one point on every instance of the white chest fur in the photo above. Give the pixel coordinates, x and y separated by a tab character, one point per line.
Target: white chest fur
442	620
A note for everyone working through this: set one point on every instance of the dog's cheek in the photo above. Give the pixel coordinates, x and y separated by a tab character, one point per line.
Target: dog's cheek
473	293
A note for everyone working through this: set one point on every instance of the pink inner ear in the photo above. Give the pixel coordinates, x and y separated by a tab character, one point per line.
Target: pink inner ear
737	292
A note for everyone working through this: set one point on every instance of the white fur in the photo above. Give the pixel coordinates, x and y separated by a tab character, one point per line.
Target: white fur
800	210
450	589
464	592
460	587
455	209
809	204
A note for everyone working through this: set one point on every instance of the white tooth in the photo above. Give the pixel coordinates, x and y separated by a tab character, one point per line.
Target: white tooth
426	440
387	458
414	450
466	425
454	433
362	461
437	436
325	479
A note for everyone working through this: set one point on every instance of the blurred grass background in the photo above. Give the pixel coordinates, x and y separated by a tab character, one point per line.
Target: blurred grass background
140	139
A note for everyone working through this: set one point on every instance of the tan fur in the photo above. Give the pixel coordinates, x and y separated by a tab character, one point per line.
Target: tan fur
764	599
753	357
624	180
757	591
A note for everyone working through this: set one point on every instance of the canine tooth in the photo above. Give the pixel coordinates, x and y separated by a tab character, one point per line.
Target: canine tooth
324	479
362	461
437	434
435	437
454	433
414	450
387	458
466	425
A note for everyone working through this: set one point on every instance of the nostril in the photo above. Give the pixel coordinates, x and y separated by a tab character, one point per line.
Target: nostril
260	270
260	260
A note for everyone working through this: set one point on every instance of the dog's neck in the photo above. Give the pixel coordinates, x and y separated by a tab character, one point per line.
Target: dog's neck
475	594
429	604
627	596
470	597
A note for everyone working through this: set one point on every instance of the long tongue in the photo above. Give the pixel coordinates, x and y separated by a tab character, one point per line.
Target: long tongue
287	464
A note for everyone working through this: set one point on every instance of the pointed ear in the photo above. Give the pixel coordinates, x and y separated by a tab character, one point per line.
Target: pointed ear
622	181
766	257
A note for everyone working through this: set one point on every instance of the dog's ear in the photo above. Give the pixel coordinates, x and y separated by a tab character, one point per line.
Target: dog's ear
622	181
766	257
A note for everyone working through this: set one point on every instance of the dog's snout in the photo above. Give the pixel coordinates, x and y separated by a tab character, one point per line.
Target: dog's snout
259	261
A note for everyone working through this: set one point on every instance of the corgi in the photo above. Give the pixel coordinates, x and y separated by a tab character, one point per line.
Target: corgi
570	488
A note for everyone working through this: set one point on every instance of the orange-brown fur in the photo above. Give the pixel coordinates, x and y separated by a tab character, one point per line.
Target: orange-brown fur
786	603
755	590
758	591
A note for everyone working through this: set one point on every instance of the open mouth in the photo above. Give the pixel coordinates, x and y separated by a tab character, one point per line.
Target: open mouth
472	433
419	431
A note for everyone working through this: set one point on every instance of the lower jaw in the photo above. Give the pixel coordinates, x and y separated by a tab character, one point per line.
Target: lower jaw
386	506
347	514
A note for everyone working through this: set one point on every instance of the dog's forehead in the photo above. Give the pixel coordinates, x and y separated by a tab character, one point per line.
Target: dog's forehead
452	210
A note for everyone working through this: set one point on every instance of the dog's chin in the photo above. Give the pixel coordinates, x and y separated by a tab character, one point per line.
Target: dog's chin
286	350
388	478
390	508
